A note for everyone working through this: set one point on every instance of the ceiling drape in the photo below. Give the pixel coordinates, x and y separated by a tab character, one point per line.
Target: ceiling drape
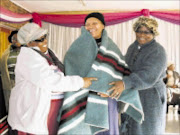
77	20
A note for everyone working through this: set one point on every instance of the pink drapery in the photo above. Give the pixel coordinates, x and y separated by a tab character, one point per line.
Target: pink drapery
172	17
9	16
77	20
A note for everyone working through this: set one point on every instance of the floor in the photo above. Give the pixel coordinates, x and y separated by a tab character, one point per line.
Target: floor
173	121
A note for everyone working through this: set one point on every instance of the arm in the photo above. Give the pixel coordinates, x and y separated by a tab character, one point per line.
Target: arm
36	70
149	72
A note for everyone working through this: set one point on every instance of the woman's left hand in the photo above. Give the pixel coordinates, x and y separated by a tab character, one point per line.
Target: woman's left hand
117	89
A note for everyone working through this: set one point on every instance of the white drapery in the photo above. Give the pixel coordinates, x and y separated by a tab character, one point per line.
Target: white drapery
60	38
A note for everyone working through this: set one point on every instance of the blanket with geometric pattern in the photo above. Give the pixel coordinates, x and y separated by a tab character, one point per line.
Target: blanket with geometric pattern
83	111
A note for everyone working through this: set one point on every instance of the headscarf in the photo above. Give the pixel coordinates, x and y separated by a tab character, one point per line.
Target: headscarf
97	15
150	23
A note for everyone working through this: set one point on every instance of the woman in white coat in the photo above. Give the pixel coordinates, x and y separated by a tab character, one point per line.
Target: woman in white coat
39	85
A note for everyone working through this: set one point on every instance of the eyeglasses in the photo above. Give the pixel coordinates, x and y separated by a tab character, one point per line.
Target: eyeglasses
144	32
42	39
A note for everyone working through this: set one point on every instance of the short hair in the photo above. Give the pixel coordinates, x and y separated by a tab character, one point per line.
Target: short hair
11	35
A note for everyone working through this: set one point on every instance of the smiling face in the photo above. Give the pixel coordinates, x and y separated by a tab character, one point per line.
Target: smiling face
95	27
144	35
41	43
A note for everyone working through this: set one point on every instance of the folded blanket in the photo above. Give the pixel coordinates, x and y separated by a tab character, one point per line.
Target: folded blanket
86	112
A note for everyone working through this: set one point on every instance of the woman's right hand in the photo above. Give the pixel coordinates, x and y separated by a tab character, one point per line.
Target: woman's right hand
88	81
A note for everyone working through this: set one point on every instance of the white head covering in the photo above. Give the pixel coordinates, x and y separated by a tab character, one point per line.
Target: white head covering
30	32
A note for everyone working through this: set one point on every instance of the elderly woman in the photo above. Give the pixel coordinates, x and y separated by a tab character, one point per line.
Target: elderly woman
40	83
173	77
146	59
7	65
94	54
172	82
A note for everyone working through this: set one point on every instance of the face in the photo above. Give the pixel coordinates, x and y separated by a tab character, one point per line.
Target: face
144	35
41	43
95	27
15	41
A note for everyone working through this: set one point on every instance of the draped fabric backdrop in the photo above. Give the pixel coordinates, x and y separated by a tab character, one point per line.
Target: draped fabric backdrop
119	28
65	28
60	38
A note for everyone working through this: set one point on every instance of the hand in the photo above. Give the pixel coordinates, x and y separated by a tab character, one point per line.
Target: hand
87	81
102	95
117	89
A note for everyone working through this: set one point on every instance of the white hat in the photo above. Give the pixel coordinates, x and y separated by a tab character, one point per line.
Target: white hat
30	32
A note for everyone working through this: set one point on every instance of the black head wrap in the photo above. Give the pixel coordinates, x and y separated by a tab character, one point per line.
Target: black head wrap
97	15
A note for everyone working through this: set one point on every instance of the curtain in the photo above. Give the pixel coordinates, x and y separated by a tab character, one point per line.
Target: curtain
9	16
119	27
77	20
4	43
60	38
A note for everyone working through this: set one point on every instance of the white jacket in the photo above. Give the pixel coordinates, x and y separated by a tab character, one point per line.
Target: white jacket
30	98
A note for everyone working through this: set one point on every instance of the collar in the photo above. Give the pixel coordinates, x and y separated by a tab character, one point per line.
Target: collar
36	48
98	42
145	45
46	52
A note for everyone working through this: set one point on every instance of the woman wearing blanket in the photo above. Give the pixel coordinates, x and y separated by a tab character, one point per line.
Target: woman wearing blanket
95	54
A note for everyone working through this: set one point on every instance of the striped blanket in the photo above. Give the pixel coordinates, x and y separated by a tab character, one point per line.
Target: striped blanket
84	112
